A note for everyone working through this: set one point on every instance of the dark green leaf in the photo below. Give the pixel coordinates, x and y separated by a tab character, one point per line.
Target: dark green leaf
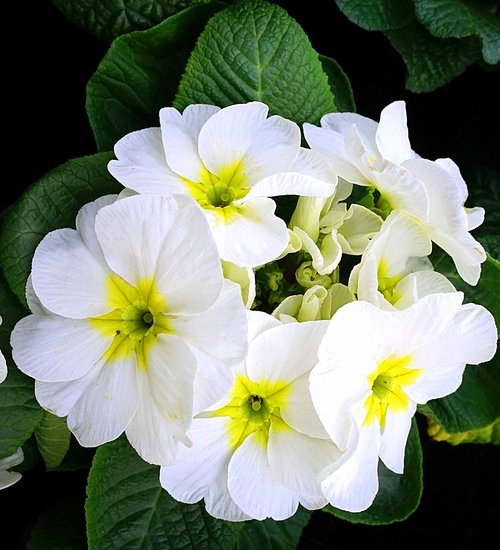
53	437
459	18
140	73
127	508
488	434
399	495
339	84
431	62
254	51
60	527
108	19
273	535
50	203
378	15
19	411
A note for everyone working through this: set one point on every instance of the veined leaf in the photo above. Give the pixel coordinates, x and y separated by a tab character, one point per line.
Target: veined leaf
378	15
53	438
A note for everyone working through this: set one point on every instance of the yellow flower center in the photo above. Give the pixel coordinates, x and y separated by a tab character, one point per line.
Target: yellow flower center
387	383
136	318
254	407
218	192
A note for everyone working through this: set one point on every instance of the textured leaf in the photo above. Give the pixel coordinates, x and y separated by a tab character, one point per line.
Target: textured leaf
339	84
254	51
431	62
53	437
399	495
19	411
140	73
488	434
108	19
51	202
459	18
378	15
127	508
274	535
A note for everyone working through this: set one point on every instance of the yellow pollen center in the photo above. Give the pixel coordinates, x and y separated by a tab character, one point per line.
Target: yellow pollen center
217	192
253	408
387	383
136	318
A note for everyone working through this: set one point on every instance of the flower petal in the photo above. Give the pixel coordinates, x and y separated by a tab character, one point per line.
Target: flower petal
253	486
289	183
56	349
392	134
67	278
394	437
180	134
296	461
351	483
165	407
141	164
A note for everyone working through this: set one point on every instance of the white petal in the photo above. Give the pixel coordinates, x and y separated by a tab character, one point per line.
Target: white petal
475	217
253	486
285	352
454	171
3	368
469	336
331	144
342	123
67	278
254	235
326	259
351	483
394	438
290	183
56	349
258	322
245	278
242	133
141	163
219	503
314	164
198	466
165	406
106	407
297	459
180	138
392	134
358	228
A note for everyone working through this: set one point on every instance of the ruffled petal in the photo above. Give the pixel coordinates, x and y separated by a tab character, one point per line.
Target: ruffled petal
56	349
290	183
392	134
165	407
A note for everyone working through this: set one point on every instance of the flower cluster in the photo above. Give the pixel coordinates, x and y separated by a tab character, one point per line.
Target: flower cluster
236	350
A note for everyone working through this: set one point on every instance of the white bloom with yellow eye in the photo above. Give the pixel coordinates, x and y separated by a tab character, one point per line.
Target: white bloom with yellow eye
394	271
230	161
257	453
375	367
132	321
379	155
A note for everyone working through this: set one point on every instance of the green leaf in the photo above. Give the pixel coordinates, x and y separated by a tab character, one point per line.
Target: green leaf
273	535
399	495
254	51
127	508
475	404
140	73
378	15
19	411
339	84
60	527
50	203
107	19
53	437
488	434
431	62
458	19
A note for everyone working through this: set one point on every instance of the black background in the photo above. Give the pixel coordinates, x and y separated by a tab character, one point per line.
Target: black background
47	62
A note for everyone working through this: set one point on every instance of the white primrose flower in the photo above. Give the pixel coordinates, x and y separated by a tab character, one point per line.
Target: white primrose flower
394	271
230	161
8	478
3	364
374	367
379	155
133	327
257	453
